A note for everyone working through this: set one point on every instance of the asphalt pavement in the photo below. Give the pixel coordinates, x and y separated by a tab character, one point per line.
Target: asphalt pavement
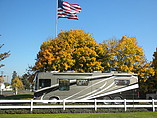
7	93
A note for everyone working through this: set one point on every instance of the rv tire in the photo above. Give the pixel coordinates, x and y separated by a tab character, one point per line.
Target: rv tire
107	98
117	98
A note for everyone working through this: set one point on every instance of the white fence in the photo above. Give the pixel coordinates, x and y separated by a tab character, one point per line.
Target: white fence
65	104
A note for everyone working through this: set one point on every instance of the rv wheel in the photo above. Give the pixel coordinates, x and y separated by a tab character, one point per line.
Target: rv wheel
107	98
53	98
118	98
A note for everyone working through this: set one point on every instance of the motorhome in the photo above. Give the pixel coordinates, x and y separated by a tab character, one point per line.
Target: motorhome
96	85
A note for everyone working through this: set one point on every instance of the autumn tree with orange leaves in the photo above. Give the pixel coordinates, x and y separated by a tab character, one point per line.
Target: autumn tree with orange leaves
126	56
123	55
77	50
71	50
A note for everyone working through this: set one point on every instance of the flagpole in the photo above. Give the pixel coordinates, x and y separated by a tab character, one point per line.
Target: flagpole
56	24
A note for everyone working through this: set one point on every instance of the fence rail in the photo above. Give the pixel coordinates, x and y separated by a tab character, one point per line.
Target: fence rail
65	104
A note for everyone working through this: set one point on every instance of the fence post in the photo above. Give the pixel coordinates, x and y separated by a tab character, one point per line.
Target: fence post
153	105
64	104
125	104
31	105
95	105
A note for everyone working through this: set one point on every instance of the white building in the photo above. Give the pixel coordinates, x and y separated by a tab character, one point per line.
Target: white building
2	86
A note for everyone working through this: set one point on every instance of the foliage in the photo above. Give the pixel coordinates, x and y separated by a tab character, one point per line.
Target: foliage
25	81
71	50
126	56
123	55
148	76
129	55
14	74
17	84
3	55
155	62
7	84
78	51
146	73
150	85
108	58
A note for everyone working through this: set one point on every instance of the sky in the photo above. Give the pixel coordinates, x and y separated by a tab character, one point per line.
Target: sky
26	24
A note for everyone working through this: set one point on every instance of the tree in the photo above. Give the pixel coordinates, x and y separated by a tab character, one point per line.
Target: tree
123	55
129	55
130	58
17	84
149	85
71	50
3	55
155	63
108	59
14	74
7	84
146	81
26	83
126	56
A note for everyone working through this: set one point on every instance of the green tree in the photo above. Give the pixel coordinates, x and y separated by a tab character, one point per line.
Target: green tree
155	63
150	85
26	83
7	84
14	74
71	50
17	84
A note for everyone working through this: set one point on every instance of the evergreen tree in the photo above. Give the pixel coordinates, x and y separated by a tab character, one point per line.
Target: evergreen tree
25	81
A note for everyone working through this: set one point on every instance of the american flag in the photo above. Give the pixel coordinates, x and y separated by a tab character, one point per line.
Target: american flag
67	10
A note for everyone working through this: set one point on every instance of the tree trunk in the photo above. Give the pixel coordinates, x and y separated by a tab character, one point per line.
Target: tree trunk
15	91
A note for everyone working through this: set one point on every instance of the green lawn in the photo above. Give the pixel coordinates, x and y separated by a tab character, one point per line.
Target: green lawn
85	115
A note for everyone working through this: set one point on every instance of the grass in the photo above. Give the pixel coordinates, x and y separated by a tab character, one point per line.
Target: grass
85	115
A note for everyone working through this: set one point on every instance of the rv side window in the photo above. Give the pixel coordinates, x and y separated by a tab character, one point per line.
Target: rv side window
122	82
64	84
44	83
81	82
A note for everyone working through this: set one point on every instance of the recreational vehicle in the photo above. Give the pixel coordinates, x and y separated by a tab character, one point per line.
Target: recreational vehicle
70	85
